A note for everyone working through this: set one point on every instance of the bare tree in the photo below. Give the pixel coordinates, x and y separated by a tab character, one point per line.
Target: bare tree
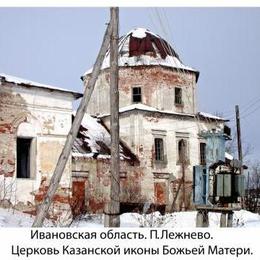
253	188
231	147
7	191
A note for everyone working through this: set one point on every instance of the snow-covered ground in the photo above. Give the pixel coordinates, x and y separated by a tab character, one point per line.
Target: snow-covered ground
14	218
242	218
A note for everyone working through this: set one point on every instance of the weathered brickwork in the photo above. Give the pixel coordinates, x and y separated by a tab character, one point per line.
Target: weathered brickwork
44	117
158	89
160	181
96	177
11	115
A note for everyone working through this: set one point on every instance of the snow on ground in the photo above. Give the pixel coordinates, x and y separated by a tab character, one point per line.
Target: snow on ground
14	218
242	218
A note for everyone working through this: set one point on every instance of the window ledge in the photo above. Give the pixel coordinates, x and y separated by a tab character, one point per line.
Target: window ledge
161	162
179	105
25	179
180	163
161	175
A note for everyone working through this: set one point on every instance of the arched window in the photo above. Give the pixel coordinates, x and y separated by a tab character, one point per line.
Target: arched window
178	96
182	151
202	153
159	150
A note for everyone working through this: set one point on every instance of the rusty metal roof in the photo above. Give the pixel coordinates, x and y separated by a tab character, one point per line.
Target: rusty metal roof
142	47
94	139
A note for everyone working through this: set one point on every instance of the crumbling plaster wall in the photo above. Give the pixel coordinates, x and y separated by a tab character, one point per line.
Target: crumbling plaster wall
139	128
45	117
95	173
158	89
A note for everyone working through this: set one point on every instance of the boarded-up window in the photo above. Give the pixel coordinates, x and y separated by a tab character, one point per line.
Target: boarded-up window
178	96
78	196
159	151
23	157
160	193
202	153
137	94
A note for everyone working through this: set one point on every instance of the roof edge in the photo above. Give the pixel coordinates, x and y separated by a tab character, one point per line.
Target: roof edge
28	84
196	72
167	113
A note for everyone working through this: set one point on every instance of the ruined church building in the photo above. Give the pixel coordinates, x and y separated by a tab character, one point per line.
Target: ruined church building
162	134
159	122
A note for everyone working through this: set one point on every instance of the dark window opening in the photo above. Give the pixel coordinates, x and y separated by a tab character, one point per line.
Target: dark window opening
178	96
23	157
137	94
217	154
202	153
182	151
204	185
227	130
159	152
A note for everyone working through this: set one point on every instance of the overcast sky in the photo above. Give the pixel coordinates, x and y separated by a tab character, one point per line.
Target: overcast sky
56	45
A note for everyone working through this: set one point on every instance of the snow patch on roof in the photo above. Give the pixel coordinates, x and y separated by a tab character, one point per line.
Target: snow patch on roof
143	107
95	137
95	132
91	155
125	59
139	33
208	115
20	81
229	156
138	106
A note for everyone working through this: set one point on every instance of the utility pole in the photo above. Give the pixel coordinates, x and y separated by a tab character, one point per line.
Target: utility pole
183	160
62	161
176	196
112	217
239	143
239	147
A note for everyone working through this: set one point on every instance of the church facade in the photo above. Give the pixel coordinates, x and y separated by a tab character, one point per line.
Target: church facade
159	119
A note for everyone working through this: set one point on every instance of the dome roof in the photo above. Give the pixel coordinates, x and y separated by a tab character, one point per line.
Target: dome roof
143	47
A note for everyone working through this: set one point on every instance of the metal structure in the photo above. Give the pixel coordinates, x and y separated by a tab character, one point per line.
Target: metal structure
219	183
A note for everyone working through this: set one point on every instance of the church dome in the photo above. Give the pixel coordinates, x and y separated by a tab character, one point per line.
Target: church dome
141	47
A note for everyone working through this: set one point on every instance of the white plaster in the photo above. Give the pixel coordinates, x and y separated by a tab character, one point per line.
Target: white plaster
26	130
